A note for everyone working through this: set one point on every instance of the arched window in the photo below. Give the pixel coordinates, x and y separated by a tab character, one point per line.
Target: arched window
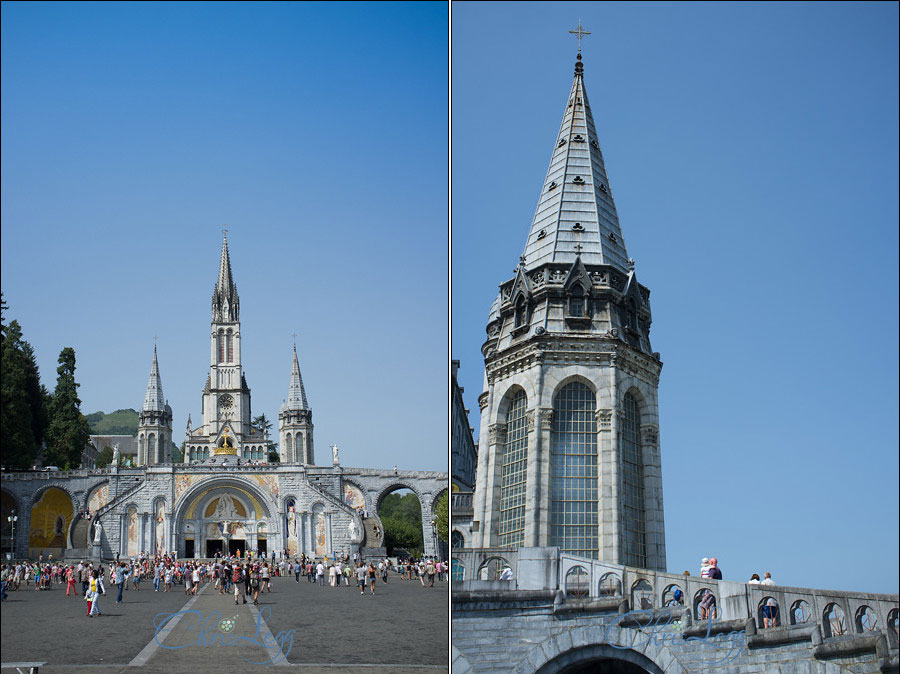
610	585
457	540
578	582
576	302
288	448
521	312
642	595
220	339
230	341
800	613
491	568
573	471
866	620
512	476
633	486
673	595
151	448
834	621
457	569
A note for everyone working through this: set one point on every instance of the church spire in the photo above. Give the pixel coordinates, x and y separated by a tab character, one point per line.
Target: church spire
225	301
576	207
154	401
296	399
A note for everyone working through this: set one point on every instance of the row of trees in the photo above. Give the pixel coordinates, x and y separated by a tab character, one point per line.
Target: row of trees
401	516
34	422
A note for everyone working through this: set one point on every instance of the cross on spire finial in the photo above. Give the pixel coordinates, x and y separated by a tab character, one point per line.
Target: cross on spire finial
155	337
579	32
225	231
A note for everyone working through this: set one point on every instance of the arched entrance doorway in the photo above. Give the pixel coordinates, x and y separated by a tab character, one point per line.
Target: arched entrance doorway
223	518
400	513
600	659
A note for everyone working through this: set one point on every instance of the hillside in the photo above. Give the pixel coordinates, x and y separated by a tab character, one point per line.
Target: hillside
120	422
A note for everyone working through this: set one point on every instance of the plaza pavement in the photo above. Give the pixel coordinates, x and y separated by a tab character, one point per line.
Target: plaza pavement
403	628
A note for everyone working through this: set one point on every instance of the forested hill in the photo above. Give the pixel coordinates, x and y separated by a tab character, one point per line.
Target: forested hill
120	422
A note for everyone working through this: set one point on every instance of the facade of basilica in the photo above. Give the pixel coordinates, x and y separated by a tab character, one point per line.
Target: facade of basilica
224	496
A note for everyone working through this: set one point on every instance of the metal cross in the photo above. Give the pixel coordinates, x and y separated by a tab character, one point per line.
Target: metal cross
155	337
225	227
580	32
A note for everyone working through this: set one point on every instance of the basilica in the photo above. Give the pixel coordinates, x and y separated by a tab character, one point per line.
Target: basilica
224	496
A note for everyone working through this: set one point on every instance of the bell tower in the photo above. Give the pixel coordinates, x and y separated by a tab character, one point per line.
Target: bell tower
569	423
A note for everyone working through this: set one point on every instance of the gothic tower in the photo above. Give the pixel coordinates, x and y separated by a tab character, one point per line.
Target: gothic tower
226	396
569	423
154	422
295	421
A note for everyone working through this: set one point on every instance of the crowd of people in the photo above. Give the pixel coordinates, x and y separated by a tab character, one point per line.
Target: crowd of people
243	578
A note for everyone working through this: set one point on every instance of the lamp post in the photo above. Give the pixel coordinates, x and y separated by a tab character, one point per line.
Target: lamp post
12	519
433	539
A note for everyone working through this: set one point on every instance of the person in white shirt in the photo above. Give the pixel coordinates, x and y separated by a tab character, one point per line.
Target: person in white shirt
768	579
507	574
320	573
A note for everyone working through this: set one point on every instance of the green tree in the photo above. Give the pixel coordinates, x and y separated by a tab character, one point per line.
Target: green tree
178	452
442	517
104	456
68	431
263	425
401	517
23	417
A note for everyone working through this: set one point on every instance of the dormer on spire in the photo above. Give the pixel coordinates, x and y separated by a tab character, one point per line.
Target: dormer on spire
225	301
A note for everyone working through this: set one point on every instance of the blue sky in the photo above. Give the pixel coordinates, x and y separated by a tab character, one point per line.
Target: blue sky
318	132
753	151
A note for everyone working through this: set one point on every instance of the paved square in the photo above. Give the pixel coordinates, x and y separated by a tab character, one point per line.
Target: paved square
402	628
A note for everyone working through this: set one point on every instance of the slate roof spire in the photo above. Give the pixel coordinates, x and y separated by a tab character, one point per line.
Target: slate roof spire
576	205
296	399
225	301
154	401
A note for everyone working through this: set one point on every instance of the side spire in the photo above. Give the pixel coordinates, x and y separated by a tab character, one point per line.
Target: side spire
154	401
576	206
296	399
225	301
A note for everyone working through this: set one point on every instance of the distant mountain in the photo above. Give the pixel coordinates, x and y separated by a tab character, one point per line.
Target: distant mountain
120	422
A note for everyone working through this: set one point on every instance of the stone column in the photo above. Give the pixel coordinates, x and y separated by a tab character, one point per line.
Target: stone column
491	485
543	434
329	546
481	536
427	516
653	506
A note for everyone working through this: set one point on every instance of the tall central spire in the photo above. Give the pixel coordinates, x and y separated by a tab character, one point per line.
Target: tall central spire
576	213
154	401
225	301
296	399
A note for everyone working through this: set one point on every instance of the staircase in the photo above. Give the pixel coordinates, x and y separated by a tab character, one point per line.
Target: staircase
373	543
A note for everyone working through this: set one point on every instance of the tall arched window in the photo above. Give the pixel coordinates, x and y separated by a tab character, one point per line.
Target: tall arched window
521	312
633	486
220	339
573	472
151	448
230	341
288	448
512	476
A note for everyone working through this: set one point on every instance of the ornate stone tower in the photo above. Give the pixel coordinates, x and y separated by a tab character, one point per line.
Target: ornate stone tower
226	396
295	424
569	424
154	422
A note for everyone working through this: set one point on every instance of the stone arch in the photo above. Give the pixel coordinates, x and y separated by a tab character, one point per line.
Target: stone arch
642	595
491	567
501	409
570	378
196	491
395	485
586	645
425	515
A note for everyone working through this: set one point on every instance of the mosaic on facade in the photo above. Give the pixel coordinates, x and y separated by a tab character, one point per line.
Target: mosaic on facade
50	519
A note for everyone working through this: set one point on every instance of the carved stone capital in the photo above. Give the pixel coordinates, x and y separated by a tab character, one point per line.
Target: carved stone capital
483	401
604	419
546	418
497	434
649	434
529	420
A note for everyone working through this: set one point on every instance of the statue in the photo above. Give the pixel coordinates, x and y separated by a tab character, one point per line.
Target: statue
98	530
335	458
115	460
355	532
225	509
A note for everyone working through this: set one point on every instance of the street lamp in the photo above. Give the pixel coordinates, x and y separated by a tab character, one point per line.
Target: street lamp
12	519
433	538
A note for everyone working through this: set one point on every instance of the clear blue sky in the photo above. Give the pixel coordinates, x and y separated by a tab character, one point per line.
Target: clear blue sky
318	132
753	151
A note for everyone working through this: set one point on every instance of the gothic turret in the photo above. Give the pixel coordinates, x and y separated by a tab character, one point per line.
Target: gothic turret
154	422
295	421
570	454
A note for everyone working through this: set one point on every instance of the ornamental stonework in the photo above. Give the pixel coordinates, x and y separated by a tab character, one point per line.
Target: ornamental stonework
604	419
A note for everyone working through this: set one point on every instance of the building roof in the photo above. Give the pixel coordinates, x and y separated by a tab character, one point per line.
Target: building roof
154	400
576	212
296	399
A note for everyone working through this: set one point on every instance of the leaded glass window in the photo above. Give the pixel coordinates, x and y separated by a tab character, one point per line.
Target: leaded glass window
512	476
633	486
576	302
573	472
220	338
230	339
